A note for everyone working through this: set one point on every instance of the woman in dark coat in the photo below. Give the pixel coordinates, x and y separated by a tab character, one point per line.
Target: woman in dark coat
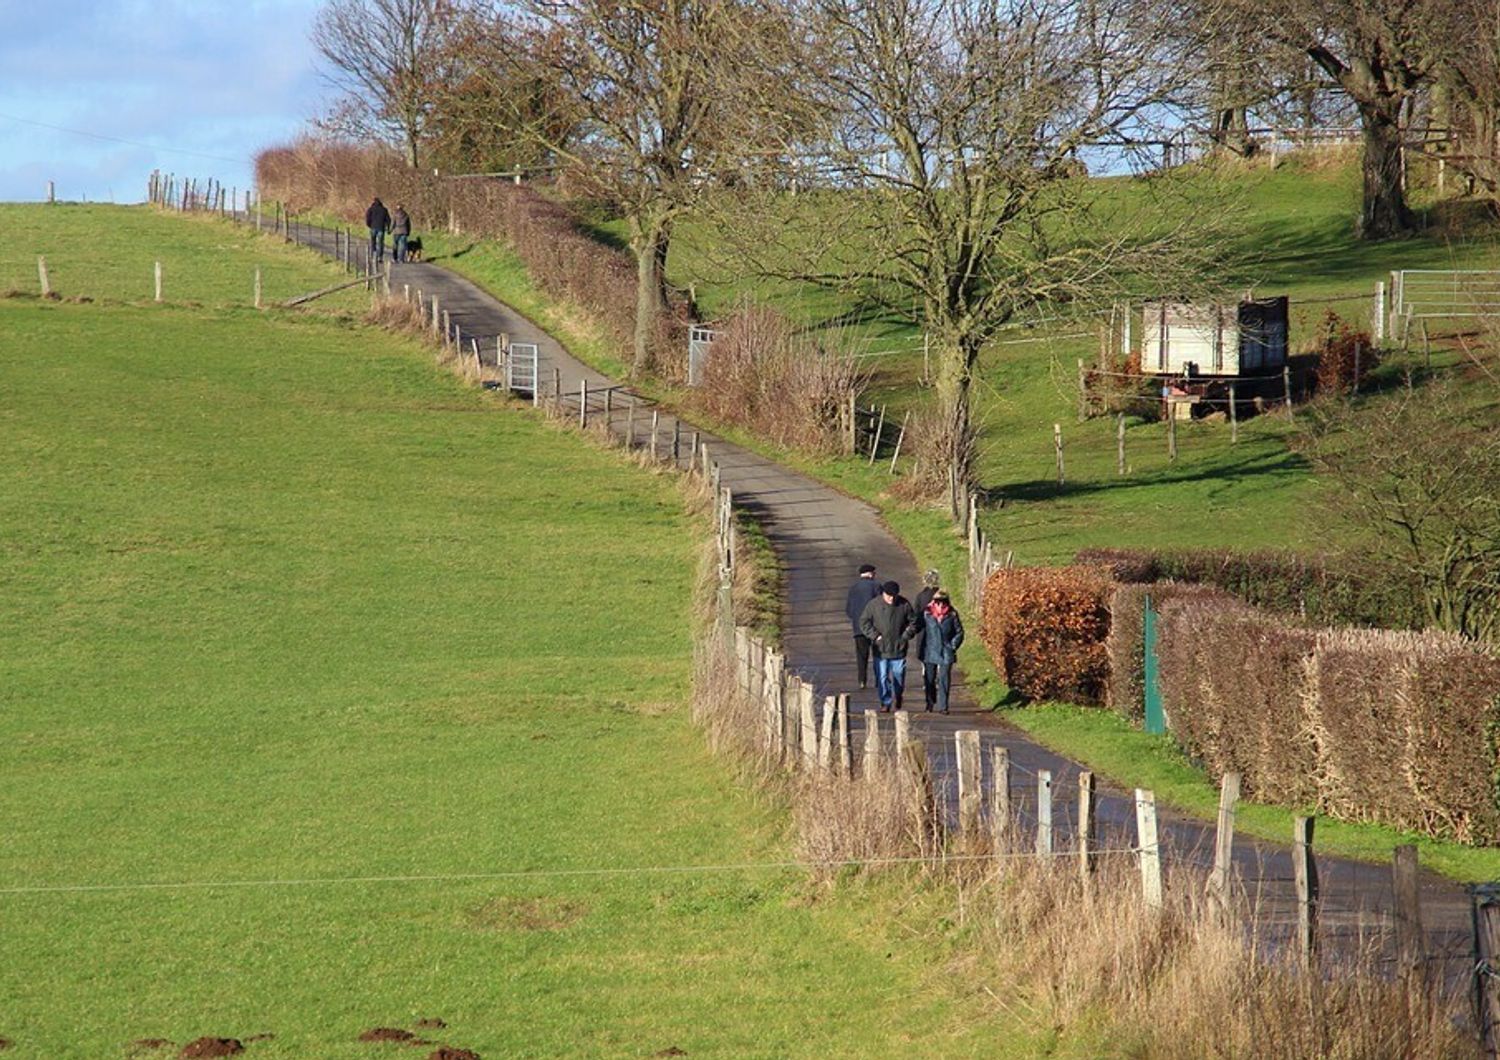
944	632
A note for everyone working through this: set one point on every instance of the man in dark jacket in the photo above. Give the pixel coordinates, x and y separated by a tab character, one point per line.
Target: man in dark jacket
944	635
377	220
861	593
400	231
889	622
930	583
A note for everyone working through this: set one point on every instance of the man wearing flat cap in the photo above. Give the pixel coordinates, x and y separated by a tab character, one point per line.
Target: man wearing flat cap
865	589
889	621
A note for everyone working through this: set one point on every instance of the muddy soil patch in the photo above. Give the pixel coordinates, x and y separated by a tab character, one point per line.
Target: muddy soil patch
207	1046
525	914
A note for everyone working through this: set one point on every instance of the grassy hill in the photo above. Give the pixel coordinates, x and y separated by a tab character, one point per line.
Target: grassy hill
318	713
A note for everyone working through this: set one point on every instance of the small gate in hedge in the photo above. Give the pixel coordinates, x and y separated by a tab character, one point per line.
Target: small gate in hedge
1156	720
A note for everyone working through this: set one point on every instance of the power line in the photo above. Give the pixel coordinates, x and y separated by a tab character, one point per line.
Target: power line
119	140
523	874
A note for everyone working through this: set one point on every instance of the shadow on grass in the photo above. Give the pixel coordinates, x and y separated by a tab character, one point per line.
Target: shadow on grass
1251	466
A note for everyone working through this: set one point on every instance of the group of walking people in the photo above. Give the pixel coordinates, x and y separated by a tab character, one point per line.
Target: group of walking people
379	221
887	625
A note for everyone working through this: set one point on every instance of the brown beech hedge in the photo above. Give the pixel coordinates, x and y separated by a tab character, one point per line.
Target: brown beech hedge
1045	629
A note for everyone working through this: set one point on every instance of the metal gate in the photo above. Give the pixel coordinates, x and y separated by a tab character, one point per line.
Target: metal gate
700	341
1442	294
522	369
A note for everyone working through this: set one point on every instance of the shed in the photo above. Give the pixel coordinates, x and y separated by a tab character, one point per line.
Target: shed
1190	339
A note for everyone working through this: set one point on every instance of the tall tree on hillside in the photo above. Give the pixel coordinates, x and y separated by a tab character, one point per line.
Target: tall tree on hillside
661	92
1468	69
1378	52
957	136
387	58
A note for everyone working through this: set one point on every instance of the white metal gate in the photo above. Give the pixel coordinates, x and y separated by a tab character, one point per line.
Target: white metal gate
1442	294
700	341
522	369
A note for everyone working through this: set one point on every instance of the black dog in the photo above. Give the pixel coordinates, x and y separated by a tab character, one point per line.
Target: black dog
414	248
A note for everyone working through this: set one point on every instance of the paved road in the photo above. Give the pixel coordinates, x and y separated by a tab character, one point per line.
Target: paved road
820	537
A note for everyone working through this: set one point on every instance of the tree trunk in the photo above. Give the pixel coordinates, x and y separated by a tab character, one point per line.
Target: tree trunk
647	294
663	244
1384	213
956	441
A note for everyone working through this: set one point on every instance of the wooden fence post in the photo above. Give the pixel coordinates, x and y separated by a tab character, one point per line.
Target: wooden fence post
846	756
875	439
900	438
676	441
1286	386
1487	929
583	403
42	278
967	746
257	287
1044	812
1219	878
1086	823
438	320
902	722
792	716
1057	445
1148	847
1120	444
1411	942
1083	392
920	772
872	761
1305	876
1234	417
158	281
742	658
1000	796
1171	430
655	423
825	733
809	704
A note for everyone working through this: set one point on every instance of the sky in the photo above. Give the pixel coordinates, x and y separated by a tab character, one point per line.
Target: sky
196	86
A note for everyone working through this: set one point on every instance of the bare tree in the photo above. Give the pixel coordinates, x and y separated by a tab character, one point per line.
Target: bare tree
1468	105
955	145
1378	53
656	88
1418	485
386	56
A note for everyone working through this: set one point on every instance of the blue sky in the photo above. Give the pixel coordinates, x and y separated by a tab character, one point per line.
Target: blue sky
220	79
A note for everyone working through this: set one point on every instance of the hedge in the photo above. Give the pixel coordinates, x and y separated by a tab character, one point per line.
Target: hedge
1367	725
1322	589
1045	629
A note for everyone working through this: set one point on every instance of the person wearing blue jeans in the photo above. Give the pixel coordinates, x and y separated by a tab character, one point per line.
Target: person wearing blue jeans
377	220
890	622
944	635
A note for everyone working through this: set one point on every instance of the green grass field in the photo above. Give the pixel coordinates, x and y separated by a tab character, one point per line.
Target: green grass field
286	609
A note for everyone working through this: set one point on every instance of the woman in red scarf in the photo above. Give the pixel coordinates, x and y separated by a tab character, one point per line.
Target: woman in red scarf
944	634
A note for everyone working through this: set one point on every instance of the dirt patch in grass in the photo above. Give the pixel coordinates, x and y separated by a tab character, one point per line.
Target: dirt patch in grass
525	914
431	1023
386	1034
447	1052
671	1050
207	1046
6	1043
